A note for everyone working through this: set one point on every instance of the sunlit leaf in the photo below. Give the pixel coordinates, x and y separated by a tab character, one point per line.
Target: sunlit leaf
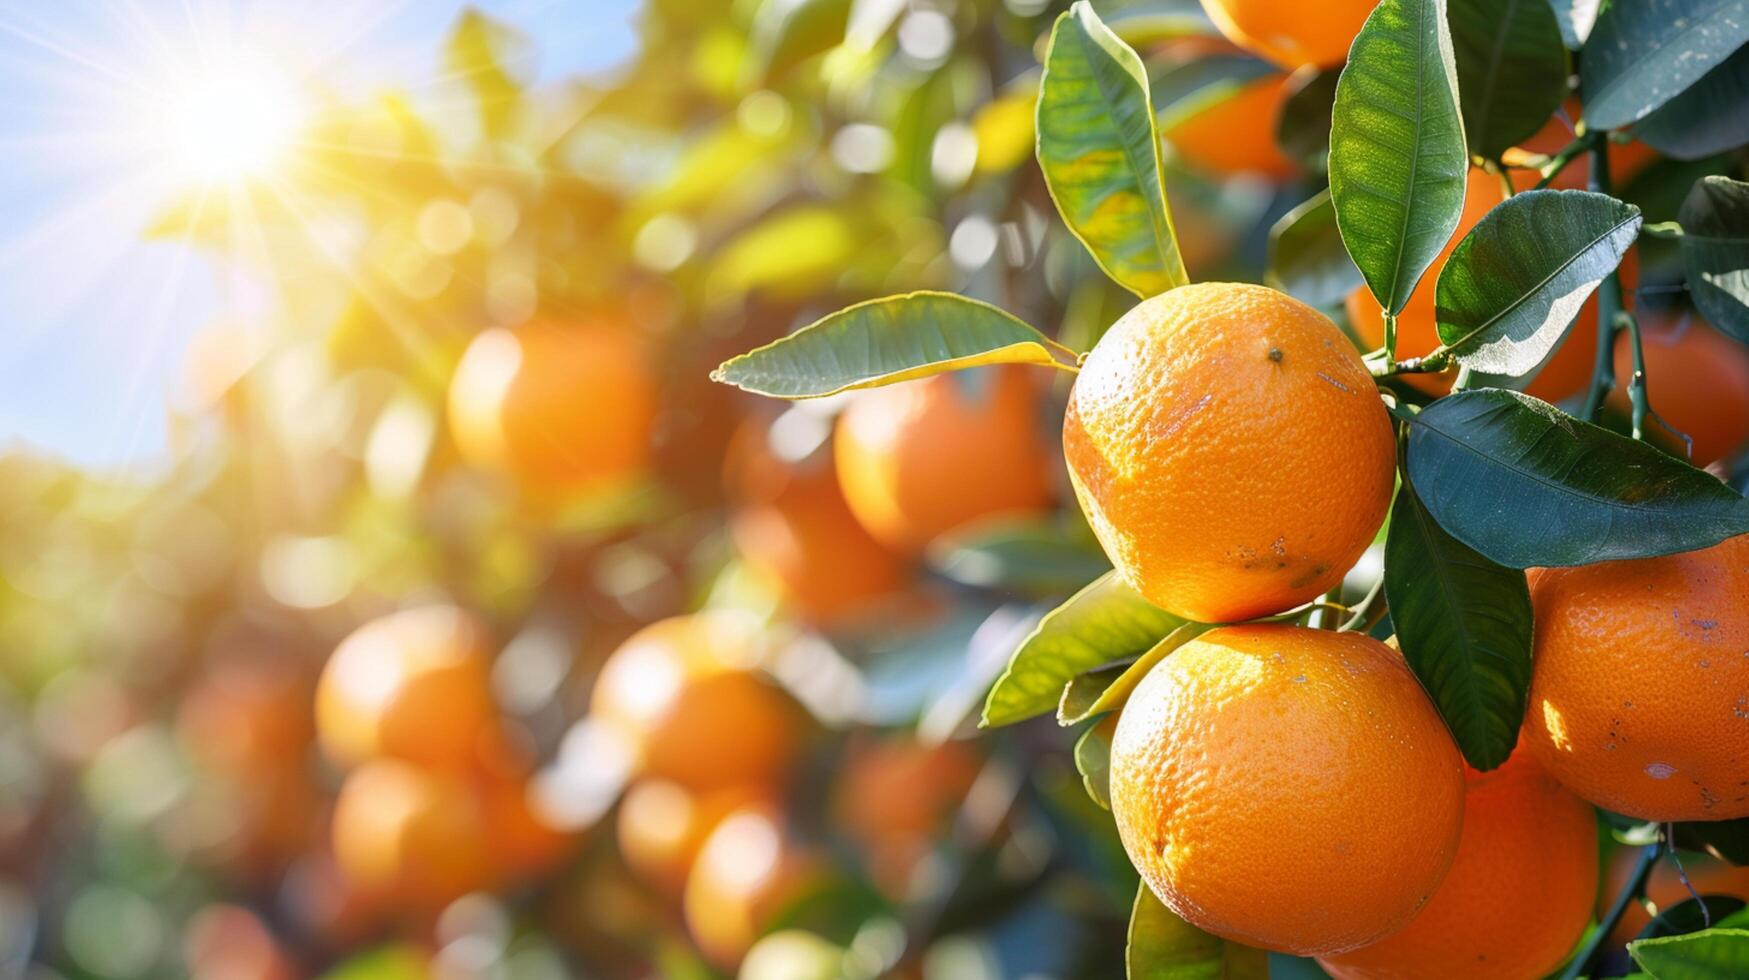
1163	946
1513	285
1306	257
788	32
1693	126
1527	485
1644	53
1100	152
1085	689
1715	252
1102	624
888	340
483	53
1713	954
1004	130
1093	761
1115	689
1398	163
791	253
1511	69
1464	626
1576	18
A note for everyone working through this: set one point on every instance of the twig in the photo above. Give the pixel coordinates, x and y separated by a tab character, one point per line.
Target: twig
1636	883
1584	142
1608	306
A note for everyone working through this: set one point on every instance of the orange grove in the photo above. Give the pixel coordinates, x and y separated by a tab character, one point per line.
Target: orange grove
746	872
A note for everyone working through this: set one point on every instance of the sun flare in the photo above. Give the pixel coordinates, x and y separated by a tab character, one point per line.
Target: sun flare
228	121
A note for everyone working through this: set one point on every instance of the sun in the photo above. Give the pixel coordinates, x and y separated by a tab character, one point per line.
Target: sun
228	121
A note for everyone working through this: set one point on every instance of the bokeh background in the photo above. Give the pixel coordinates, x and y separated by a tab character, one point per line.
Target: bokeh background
356	411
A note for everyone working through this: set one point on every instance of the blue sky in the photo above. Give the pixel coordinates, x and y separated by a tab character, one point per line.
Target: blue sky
94	320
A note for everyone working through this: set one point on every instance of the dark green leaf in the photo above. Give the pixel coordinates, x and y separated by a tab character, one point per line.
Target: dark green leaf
1511	70
1163	946
1643	53
1398	162
887	340
1093	762
1101	624
1715	252
1303	128
1518	279
1100	153
1306	257
1035	557
1082	693
1105	689
1727	840
1706	119
1525	484
1464	626
1715	954
1692	915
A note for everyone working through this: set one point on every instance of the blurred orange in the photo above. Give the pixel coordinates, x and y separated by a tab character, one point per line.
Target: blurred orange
1664	887
229	942
745	874
562	408
1697	380
525	844
662	825
921	458
413	685
895	797
411	835
326	906
244	715
684	692
794	530
1235	134
1626	160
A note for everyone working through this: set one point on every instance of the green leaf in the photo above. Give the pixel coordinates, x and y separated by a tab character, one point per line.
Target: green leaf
1163	946
1306	257
1464	626
1692	915
1525	484
1511	70
1517	280
1715	252
1303	128
1035	557
1107	690
887	340
1093	762
1100	153
786	33
1105	622
1692	125
1398	163
1576	18
1644	53
1715	954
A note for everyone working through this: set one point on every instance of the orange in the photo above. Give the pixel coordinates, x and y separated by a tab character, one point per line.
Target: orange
921	458
1287	788
1664	887
746	873
525	842
795	531
1697	380
662	825
1626	160
1518	896
229	942
1291	33
1639	694
1230	450
1566	373
560	407
1236	133
896	796
415	685
684	692
411	835
247	715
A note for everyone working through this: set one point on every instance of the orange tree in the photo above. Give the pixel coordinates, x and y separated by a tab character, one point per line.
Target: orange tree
1283	781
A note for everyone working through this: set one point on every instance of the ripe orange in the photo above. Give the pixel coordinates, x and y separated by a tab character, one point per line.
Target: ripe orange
1236	134
244	716
684	693
1291	33
1664	887
525	842
1565	374
1518	896
560	407
1230	450
662	825
1287	788
412	835
794	530
414	685
922	458
746	872
1639	695
1697	380
896	796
